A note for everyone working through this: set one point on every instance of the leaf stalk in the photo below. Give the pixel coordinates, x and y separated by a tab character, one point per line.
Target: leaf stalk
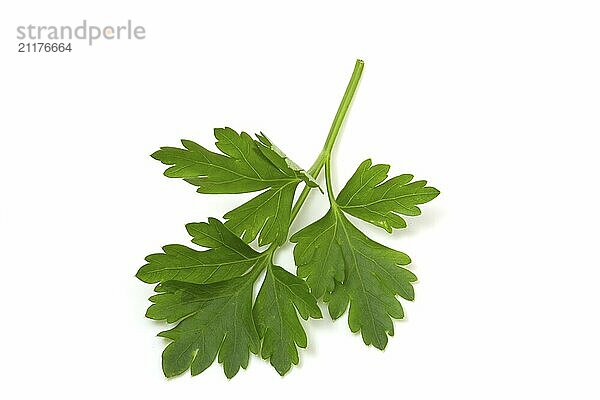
324	157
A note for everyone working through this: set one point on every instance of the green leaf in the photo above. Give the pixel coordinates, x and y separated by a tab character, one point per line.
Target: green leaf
226	258
209	294
318	254
368	197
246	165
268	213
240	169
217	319
281	297
372	275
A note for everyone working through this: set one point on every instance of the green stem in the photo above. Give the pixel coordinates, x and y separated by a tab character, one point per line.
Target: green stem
343	108
330	194
324	156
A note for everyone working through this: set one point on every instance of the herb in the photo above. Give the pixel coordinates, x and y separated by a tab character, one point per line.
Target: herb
209	294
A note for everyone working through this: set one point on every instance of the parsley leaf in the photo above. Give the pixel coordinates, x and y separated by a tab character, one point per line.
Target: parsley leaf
242	168
342	264
215	318
210	293
318	254
281	297
367	198
349	268
226	258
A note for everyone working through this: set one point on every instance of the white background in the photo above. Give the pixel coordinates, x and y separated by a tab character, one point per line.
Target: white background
496	103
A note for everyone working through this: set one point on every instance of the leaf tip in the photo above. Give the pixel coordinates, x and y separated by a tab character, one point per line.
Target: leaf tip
156	154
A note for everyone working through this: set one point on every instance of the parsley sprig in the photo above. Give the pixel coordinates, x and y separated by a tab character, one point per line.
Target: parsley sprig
209	294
